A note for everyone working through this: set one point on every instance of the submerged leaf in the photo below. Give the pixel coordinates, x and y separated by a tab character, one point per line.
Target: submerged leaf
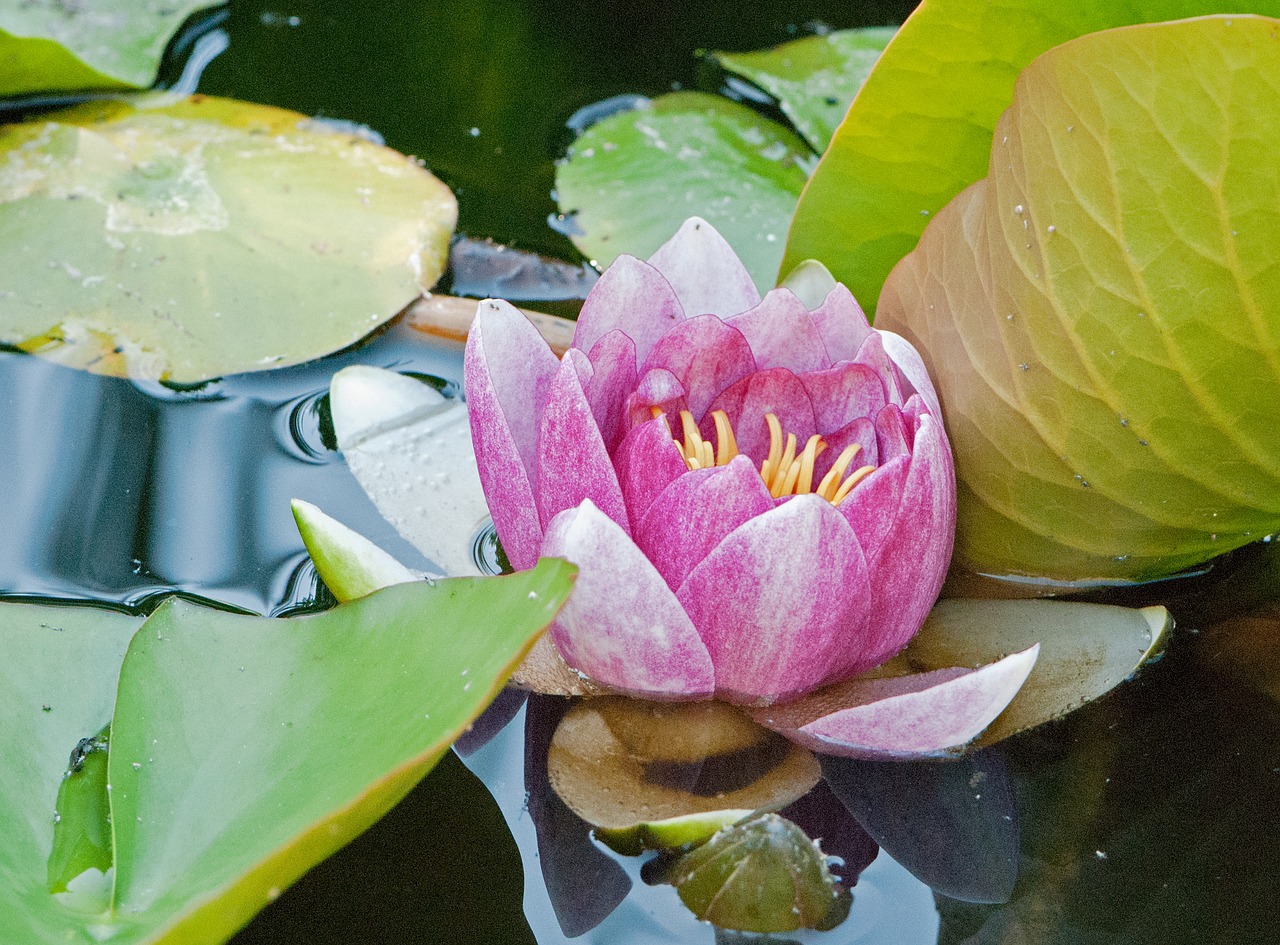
82	819
763	875
183	240
921	128
815	78
1101	314
56	46
632	179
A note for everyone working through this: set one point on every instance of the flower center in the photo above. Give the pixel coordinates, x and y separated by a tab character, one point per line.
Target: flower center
783	471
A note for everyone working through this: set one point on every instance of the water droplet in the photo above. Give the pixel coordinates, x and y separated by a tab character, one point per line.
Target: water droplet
137	766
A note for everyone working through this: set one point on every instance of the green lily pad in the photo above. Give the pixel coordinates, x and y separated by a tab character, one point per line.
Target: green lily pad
814	79
243	750
1101	314
56	46
633	178
764	875
921	128
183	240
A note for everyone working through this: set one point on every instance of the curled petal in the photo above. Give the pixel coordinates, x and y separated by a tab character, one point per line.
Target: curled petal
909	362
893	439
633	297
782	602
647	461
776	391
705	272
695	512
573	463
842	394
706	355
873	355
659	389
842	324
507	374
924	715
622	625
782	334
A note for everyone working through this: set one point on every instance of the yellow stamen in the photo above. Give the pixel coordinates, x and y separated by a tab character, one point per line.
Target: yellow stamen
784	473
851	482
728	446
830	484
804	483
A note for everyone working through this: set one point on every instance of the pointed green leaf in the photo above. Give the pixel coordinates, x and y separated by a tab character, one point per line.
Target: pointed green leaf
57	685
350	565
56	46
184	240
921	128
815	78
633	178
1101	314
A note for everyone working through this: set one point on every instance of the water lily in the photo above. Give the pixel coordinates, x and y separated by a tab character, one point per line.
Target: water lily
759	496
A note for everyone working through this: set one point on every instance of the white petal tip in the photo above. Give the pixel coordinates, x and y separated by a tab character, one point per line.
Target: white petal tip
367	400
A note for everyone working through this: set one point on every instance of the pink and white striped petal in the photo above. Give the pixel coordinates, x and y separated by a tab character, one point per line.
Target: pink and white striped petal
647	461
622	626
782	334
746	403
782	602
573	463
633	297
920	716
508	370
842	324
705	272
706	355
613	362
843	393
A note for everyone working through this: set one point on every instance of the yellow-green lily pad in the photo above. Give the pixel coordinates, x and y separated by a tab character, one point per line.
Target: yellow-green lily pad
187	239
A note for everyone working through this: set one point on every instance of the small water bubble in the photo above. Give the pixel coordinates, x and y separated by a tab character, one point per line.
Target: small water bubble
136	766
533	595
474	132
1018	209
1052	228
57	818
1100	854
466	687
1025	366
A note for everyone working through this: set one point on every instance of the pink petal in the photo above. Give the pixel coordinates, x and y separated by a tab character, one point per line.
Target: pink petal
873	355
573	464
783	334
909	362
843	393
622	625
918	716
695	512
705	272
657	388
776	391
632	297
613	361
872	507
507	374
893	439
706	355
782	602
842	324
909	563
647	461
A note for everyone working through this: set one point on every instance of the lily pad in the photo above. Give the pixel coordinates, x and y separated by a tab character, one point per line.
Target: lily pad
223	786
183	240
1101	314
814	79
621	763
633	178
55	46
921	128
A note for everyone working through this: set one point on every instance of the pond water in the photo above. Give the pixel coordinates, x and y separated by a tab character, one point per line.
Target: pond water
1145	818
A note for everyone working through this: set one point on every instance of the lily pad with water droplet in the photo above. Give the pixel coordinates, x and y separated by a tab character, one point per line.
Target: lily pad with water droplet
184	240
56	46
243	750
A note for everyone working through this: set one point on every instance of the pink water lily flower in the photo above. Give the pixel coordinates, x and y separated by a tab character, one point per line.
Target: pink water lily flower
760	498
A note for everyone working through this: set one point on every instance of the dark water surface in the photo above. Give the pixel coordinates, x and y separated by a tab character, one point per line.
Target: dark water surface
1146	818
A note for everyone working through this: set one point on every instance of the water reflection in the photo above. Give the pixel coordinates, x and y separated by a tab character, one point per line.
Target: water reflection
124	492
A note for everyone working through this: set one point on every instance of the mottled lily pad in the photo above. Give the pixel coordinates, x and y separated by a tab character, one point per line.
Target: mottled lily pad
183	240
1101	313
56	46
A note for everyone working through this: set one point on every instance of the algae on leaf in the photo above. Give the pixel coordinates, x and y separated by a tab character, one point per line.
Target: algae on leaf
56	46
183	240
1101	314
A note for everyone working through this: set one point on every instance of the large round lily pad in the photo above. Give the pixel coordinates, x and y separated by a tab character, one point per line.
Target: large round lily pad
184	240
